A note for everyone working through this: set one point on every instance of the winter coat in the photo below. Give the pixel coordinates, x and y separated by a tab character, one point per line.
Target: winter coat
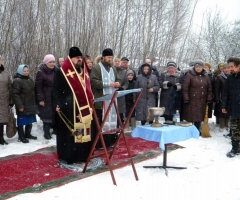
231	95
129	97
147	99
62	96
5	97
170	97
124	85
210	105
23	94
43	86
197	89
219	85
97	83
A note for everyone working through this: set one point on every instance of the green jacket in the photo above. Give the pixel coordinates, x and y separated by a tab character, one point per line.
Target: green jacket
97	83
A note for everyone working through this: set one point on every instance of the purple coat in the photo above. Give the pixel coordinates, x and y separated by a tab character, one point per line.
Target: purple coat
43	85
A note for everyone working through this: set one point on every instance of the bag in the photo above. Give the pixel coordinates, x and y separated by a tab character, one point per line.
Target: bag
11	126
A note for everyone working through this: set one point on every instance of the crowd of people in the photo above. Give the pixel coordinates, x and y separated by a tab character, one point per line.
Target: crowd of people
61	96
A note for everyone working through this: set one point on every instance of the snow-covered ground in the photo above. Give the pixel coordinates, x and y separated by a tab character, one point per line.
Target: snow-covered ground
210	175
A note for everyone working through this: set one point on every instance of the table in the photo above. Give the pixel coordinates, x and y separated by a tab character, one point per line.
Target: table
165	135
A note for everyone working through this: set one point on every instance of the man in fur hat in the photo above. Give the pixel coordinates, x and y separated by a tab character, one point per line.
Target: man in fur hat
105	80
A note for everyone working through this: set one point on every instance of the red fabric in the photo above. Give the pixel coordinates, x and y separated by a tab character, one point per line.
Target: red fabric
83	96
20	172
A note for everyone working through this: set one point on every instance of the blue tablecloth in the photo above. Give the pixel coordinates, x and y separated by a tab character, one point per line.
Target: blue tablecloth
166	134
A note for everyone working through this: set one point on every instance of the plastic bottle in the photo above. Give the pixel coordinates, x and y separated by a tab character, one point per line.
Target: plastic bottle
174	118
177	116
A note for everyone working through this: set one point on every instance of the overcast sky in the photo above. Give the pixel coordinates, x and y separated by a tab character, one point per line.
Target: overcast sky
230	9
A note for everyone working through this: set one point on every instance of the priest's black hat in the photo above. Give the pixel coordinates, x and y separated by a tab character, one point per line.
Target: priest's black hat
74	51
107	52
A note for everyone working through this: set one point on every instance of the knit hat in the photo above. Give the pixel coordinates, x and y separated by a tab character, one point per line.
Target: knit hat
208	65
74	52
130	72
107	52
196	63
48	58
171	64
20	69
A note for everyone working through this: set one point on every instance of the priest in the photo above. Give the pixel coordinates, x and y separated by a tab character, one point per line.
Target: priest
105	80
71	100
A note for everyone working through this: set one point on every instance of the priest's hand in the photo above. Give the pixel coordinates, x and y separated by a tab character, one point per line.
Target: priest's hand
42	103
224	111
112	84
57	108
115	84
21	109
150	90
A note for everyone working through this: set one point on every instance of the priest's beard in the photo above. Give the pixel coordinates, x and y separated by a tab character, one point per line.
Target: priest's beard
78	67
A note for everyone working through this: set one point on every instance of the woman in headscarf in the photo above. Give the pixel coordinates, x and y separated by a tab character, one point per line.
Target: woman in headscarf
197	92
44	84
150	85
24	100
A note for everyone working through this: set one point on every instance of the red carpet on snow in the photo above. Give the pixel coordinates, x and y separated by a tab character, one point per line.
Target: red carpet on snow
39	170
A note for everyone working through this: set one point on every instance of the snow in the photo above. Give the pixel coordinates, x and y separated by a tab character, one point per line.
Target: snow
210	175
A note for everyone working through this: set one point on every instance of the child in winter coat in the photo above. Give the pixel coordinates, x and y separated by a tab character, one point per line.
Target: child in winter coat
129	98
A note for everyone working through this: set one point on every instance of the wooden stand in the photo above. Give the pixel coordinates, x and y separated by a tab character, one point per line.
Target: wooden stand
109	153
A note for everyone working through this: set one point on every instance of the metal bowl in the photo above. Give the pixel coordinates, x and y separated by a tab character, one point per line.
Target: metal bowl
155	111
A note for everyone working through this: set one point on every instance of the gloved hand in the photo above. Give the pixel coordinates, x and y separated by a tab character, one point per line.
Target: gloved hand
186	102
169	84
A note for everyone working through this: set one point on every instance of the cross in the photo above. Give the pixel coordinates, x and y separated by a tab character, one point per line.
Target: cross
70	73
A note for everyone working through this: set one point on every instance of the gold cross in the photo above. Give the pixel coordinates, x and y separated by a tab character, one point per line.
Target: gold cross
70	73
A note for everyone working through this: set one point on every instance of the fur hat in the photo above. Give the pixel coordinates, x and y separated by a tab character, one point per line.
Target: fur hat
196	62
208	65
107	52
48	58
171	64
74	52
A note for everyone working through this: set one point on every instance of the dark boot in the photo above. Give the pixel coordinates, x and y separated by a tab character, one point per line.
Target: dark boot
21	137
28	129
2	141
46	128
235	149
198	125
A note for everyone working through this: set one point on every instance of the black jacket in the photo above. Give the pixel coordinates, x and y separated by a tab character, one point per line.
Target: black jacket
231	95
24	95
